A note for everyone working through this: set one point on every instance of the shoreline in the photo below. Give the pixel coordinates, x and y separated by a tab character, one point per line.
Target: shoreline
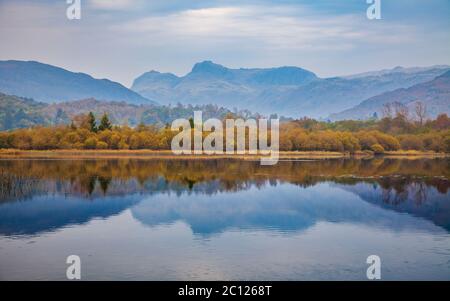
167	154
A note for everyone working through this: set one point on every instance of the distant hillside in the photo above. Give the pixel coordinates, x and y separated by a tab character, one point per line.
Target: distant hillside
122	113
17	112
288	91
435	94
119	112
48	83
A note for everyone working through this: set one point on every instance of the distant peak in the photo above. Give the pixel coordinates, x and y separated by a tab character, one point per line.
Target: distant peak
207	63
286	75
209	67
153	74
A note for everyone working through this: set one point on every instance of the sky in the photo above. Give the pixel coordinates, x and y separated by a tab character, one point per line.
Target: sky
121	39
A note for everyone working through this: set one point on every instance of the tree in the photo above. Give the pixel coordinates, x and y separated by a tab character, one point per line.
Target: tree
141	127
92	123
387	110
105	124
401	110
421	111
442	122
8	122
60	117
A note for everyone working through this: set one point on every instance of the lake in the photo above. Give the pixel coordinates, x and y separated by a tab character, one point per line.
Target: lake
223	219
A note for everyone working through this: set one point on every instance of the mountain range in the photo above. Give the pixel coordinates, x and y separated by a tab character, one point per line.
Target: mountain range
57	94
288	91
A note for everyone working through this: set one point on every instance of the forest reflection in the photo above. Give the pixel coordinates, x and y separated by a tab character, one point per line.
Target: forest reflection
214	195
399	179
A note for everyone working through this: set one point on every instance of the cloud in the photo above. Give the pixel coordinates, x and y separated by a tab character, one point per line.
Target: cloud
120	39
114	4
276	27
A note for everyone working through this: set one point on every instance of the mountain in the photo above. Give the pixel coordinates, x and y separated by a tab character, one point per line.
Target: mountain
212	83
288	91
435	94
395	72
16	112
48	83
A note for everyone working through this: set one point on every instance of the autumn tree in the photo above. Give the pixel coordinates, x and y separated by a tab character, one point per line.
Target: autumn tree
442	122
387	110
401	110
421	111
388	134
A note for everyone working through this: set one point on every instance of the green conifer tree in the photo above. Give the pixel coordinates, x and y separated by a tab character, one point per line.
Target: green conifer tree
92	122
105	124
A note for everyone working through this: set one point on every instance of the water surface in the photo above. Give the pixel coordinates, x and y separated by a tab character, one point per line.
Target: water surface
131	219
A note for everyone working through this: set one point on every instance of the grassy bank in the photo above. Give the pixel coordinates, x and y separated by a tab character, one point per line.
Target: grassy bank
167	154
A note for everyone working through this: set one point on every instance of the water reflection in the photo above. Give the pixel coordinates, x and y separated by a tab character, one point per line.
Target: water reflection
215	195
279	207
224	219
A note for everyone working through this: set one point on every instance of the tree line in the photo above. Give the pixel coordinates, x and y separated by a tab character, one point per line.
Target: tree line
395	132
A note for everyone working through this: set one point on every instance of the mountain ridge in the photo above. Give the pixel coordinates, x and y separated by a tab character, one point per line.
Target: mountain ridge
434	94
289	91
48	83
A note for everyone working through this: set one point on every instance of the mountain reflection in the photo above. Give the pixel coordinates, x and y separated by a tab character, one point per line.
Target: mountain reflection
215	195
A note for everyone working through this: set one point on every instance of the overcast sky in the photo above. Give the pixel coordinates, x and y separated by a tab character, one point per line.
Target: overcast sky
121	39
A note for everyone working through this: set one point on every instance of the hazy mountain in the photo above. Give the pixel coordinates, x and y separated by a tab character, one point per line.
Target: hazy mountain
17	112
216	84
289	91
392	73
435	94
48	83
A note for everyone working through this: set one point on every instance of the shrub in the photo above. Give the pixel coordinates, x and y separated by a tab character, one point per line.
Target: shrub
377	148
101	145
4	140
90	143
410	142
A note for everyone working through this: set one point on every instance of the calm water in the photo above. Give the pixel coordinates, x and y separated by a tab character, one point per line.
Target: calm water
224	219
